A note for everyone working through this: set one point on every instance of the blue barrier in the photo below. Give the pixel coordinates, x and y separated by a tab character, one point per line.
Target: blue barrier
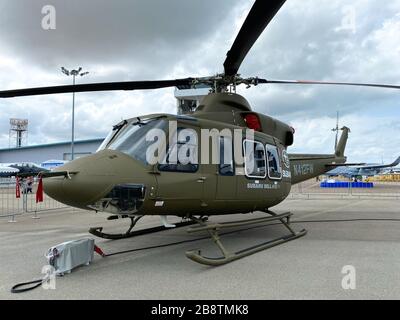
340	184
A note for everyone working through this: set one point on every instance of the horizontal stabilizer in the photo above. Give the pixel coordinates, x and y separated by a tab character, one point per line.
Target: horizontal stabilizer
345	164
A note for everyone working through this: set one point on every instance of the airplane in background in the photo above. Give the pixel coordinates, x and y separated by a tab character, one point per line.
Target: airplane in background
8	170
366	170
391	171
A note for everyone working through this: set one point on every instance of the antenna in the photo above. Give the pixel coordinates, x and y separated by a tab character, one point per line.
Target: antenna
336	129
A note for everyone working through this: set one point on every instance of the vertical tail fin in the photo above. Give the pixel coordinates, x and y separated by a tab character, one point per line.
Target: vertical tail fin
396	162
341	146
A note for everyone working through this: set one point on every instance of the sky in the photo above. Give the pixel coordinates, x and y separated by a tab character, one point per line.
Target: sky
157	39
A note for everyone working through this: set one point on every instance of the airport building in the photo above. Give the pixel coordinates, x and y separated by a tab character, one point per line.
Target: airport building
55	151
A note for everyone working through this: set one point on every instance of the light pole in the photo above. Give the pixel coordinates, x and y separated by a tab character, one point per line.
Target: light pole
73	73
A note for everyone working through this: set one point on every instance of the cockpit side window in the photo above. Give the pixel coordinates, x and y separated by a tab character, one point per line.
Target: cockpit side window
274	166
182	155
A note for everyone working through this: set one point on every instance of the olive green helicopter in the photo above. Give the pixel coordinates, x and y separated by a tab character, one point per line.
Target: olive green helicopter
252	170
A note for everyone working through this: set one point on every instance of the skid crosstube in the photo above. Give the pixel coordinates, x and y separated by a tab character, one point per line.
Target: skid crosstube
228	256
97	231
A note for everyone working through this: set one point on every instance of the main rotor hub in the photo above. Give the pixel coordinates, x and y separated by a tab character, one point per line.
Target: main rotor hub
223	83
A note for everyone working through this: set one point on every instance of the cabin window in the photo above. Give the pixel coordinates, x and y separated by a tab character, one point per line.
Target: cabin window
274	167
182	155
226	167
254	159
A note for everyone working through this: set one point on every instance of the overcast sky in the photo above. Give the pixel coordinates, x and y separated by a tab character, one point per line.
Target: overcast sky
157	39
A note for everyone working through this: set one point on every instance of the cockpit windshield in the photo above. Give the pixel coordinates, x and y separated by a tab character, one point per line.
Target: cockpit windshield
131	138
116	129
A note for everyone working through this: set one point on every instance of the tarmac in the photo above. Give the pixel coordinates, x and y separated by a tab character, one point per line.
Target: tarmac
308	268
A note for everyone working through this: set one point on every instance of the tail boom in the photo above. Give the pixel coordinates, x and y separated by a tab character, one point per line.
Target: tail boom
307	166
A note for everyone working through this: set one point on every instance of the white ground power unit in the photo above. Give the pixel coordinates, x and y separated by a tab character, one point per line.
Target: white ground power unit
63	257
67	256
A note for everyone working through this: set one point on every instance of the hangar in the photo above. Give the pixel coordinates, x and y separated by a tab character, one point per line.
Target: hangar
44	152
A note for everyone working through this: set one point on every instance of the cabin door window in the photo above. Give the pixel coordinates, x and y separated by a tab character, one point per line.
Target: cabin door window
254	159
274	166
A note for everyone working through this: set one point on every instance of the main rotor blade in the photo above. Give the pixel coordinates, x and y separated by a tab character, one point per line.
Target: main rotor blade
106	86
259	17
376	85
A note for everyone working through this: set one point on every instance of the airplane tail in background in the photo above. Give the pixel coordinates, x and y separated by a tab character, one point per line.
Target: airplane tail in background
341	147
396	162
382	166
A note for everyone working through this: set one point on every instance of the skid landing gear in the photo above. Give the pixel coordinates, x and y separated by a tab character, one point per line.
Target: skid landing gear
227	256
98	231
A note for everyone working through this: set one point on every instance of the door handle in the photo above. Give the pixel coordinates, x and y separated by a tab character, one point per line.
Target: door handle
201	179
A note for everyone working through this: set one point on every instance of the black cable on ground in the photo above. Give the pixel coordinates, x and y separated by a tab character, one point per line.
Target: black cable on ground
155	247
35	284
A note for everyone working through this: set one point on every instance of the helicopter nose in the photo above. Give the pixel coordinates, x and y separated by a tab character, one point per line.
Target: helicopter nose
79	191
91	178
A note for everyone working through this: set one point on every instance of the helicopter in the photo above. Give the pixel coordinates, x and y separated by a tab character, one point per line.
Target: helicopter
122	180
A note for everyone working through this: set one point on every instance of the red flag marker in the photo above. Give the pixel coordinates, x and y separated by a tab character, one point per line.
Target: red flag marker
17	188
39	191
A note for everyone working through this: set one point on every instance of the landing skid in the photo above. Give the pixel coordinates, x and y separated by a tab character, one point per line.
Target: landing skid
98	231
227	256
